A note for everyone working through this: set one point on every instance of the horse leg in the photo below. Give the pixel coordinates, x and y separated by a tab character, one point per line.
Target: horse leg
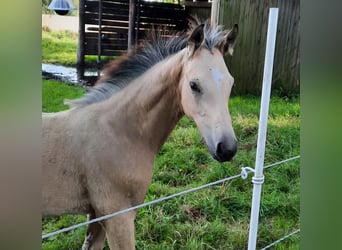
120	231
95	235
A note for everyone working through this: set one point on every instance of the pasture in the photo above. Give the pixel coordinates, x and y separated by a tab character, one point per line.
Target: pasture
61	48
217	217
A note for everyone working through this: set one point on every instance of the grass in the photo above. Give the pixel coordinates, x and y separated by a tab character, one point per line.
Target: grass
213	218
61	48
216	217
55	92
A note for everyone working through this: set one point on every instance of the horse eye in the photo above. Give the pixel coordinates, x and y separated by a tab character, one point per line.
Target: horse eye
194	87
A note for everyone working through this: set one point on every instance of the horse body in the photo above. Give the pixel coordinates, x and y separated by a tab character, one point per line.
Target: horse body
98	158
60	179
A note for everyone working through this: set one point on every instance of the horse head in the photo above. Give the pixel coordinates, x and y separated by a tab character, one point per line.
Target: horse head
205	87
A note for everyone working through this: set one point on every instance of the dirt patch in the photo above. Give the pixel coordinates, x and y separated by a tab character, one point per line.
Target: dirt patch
193	213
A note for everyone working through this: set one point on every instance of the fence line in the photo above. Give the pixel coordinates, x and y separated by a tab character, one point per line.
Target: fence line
281	239
242	175
246	170
281	162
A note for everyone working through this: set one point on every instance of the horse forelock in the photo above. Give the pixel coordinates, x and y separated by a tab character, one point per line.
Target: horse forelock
119	73
214	36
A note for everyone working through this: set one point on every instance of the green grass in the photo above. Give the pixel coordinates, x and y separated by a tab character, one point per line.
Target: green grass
216	217
54	93
61	48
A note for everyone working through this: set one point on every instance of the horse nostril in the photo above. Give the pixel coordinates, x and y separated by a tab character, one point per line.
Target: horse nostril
224	152
219	149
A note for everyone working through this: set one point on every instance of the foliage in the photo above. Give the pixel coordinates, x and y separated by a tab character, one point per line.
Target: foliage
45	5
216	217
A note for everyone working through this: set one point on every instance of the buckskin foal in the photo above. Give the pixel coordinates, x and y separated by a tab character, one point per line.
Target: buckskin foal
98	156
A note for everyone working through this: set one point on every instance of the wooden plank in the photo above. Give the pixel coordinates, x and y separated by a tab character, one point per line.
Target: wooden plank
247	63
131	25
107	36
170	16
92	6
109	2
99	40
162	21
151	26
109	30
160	12
163	14
157	10
81	46
202	12
114	1
105	3
114	17
115	11
197	4
107	22
160	5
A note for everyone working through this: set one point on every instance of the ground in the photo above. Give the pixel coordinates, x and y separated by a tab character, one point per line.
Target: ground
56	22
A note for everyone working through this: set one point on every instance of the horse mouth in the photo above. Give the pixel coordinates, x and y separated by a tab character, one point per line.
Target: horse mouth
220	159
224	153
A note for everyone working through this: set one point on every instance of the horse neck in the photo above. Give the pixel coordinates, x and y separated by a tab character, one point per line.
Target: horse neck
151	105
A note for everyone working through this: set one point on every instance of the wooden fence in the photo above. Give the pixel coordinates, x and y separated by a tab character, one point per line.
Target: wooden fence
109	34
199	8
104	27
247	63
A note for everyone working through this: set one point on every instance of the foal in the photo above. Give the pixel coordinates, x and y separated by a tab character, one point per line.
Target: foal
98	156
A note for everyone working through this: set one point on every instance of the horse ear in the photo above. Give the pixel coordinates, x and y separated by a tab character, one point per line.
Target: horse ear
231	40
193	22
195	39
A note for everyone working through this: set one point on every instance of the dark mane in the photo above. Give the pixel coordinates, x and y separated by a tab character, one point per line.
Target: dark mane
119	73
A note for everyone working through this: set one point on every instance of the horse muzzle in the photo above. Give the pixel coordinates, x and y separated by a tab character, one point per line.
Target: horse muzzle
221	141
224	150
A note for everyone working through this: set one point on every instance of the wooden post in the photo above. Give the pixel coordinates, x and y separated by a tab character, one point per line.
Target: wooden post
131	25
215	12
81	37
99	35
137	21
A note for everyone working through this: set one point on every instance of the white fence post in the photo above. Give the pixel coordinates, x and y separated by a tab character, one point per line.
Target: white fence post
258	177
215	12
